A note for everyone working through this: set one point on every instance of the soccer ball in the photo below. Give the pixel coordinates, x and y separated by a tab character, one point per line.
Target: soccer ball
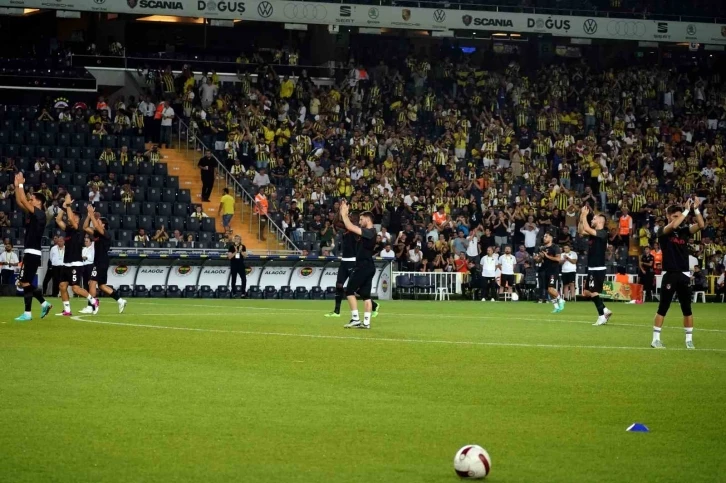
472	462
515	297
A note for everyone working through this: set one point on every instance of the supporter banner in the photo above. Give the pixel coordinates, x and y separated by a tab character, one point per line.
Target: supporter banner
622	291
291	12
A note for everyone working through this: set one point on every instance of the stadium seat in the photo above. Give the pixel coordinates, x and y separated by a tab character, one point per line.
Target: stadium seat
254	292
160	169
161	221
153	194
130	168
157	291
222	292
208	225
184	196
404	284
179	209
422	283
172	291
163	209
301	293
190	292
316	293
148	209
285	292
133	208
146	168
124	291
168	195
206	292
270	292
117	208
141	291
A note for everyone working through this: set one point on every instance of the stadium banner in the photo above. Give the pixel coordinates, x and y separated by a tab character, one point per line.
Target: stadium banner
198	270
296	12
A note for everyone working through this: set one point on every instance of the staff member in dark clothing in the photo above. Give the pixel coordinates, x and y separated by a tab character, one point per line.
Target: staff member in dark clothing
645	264
206	166
673	240
347	264
236	254
361	280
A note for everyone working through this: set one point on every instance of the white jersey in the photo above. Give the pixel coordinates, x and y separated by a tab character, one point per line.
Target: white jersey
569	267
489	266
507	263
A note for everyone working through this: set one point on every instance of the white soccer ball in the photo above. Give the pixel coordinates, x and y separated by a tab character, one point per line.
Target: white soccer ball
515	297
472	462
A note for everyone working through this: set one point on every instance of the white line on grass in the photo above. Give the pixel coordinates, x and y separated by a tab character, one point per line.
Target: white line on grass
377	339
279	311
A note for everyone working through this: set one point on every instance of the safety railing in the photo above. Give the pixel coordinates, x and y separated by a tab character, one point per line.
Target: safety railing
415	284
277	244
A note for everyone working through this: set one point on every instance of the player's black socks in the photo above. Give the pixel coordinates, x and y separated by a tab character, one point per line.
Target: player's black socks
338	300
28	296
38	294
114	295
374	305
599	304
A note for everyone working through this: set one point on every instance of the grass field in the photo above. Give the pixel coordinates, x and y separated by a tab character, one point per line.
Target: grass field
271	391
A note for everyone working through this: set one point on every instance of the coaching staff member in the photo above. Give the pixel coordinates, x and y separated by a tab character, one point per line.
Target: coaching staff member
236	254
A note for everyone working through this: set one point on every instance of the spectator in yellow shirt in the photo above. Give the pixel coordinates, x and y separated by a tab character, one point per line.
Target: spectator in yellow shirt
286	88
226	208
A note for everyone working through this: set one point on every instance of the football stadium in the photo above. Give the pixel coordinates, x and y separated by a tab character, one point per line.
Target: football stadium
381	241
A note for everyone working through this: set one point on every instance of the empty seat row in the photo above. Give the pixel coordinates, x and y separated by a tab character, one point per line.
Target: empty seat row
148	223
79	139
70	165
14	150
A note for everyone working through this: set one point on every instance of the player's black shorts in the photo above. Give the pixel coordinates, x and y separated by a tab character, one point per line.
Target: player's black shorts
568	277
361	282
100	275
344	271
675	283
31	263
595	279
507	281
551	279
71	275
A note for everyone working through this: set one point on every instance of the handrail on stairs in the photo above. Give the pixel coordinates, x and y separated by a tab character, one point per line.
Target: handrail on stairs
247	197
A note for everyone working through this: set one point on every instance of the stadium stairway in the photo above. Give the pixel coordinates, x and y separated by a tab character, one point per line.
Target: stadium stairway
184	165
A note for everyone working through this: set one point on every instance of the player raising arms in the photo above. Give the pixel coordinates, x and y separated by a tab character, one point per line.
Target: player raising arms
550	255
673	241
595	262
34	227
347	264
72	258
361	278
99	272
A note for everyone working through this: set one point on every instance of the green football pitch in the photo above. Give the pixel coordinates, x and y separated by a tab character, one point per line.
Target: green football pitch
272	391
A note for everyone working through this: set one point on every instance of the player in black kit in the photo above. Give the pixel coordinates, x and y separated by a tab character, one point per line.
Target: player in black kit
361	279
72	258
676	280
101	262
595	262
347	264
550	257
647	275
34	227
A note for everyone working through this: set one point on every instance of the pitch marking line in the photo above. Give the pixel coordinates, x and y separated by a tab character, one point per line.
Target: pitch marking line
377	339
278	311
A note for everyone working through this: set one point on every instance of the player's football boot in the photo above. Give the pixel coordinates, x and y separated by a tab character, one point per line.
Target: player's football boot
45	308
96	306
375	312
689	344
23	318
86	310
353	324
607	313
601	320
65	314
562	305
121	305
364	326
332	314
656	344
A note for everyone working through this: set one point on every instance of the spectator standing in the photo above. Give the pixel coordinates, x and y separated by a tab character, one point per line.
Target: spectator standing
167	118
261	207
88	255
226	208
489	264
207	165
530	231
57	252
9	262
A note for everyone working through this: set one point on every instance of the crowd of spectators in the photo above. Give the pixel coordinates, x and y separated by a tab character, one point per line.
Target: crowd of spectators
453	157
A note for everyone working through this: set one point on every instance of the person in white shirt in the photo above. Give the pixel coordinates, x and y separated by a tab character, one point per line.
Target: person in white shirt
472	247
207	93
489	264
8	264
506	268
261	179
414	258
387	253
530	231
87	254
385	236
167	117
57	252
568	259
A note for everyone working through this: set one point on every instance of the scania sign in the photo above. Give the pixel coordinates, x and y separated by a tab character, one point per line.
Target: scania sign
155	4
487	22
220	6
